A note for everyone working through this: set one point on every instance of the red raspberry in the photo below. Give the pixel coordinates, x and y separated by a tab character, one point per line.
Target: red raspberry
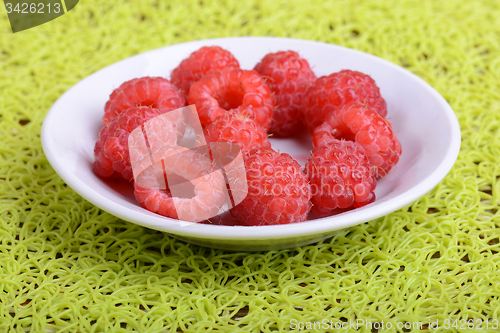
244	92
278	192
197	175
155	92
328	93
200	63
236	128
288	76
340	176
111	150
368	128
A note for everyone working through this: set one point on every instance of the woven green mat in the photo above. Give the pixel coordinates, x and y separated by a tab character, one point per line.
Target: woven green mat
66	266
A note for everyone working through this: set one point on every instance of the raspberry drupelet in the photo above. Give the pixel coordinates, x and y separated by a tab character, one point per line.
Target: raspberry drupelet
288	76
328	93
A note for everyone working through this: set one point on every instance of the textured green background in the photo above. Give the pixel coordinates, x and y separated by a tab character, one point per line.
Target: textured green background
66	266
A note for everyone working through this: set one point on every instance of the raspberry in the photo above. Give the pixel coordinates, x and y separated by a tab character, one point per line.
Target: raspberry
200	63
340	176
368	128
111	149
288	76
236	128
241	91
155	92
278	192
207	197
328	93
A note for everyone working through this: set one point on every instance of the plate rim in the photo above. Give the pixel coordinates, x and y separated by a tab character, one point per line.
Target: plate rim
310	227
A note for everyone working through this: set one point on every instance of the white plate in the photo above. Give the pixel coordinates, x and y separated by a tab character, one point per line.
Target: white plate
424	122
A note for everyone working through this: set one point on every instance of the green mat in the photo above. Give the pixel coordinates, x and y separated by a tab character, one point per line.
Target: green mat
66	266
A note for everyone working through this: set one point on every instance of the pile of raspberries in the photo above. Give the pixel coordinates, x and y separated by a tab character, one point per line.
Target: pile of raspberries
344	111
